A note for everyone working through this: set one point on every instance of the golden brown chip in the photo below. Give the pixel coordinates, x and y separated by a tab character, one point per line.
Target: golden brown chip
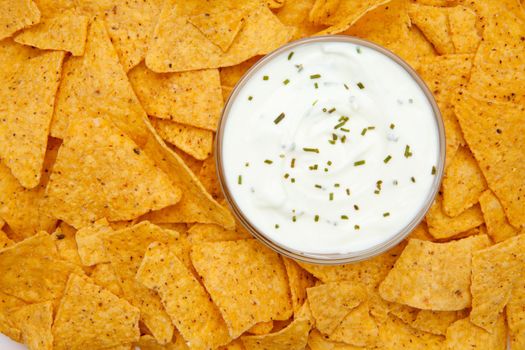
433	276
5	241
495	133
462	22
262	32
463	183
394	334
515	312
184	298
357	328
192	98
498	226
437	322
463	334
16	15
220	27
34	321
208	177
293	337
494	273
234	345
433	22
299	280
443	226
91	317
104	276
294	13
66	245
261	328
213	233
90	244
317	341
246	280
196	142
8	329
405	313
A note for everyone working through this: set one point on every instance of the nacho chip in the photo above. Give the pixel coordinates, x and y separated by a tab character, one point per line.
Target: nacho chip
64	31
25	126
495	133
443	226
421	232
196	142
357	328
7	328
463	334
294	13
498	226
515	311
462	21
293	337
104	276
199	233
405	313
220	27
64	237
208	177
317	341
16	15
92	317
184	298
34	321
299	280
147	342
261	328
494	273
332	302
5	241
463	183
437	322
90	244
246	280
230	76
234	345
395	334
433	22
262	32
433	276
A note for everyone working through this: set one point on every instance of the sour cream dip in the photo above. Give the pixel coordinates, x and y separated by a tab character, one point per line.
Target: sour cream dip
331	146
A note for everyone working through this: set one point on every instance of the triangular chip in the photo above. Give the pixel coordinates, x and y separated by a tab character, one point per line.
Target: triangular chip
515	312
16	15
395	334
292	337
7	328
332	302
462	21
433	276
498	227
99	172
437	322
357	328
441	226
261	328
433	22
463	334
104	275
24	125
213	233
64	31
294	13
66	244
494	273
34	321
90	242
91	317
246	280
220	28
185	299
299	280
196	142
208	177
5	241
495	133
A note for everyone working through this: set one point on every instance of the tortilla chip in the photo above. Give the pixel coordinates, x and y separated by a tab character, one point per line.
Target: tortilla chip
64	237
294	13
299	280
494	273
230	76
317	341
433	22
196	142
463	183
332	302
442	226
92	317
357	328
5	241
34	321
90	244
405	313
261	328
495	133
246	280
433	276
262	33
147	342
515	311
421	232
437	322
184	298
192	98
200	233
100	173
462	21
463	334
208	177
498	226
126	249
220	27
234	345
395	334
64	31
104	276
16	15
25	126
8	329
293	337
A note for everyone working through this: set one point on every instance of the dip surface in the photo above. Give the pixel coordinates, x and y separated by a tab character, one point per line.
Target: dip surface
330	147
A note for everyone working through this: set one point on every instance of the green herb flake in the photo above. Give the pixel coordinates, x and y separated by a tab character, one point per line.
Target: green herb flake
358	49
286	175
357	227
315	102
329	162
360	85
343	139
299	67
290	55
331	196
408	153
371	128
386	214
294	218
268	161
266	77
318	186
313	167
377	192
346	86
286	81
331	110
337	185
363	132
276	226
434	170
292	180
239	179
292	163
356	207
279	118
360	162
250	98
344	217
332	142
392	126
246	164
313	150
347	191
316	86
387	159
413	179
315	76
316	218
345	130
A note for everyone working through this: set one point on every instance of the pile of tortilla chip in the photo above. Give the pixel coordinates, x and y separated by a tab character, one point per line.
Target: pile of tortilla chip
113	232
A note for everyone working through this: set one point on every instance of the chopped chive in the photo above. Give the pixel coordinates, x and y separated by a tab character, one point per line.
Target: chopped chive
346	87
395	182
371	128
315	76
377	191
250	98
331	196
316	218
286	175
337	185
325	170
281	155
324	110
386	214
434	170
316	86
331	110
344	217
340	124
392	126
292	180
332	142
286	81
299	67
276	226
358	49
343	118
315	102
313	167
345	129
334	137
329	162
360	85
290	55
343	139
363	132
387	159
413	179
266	77
347	191
410	101
292	164
407	151
294	219
356	227
358	163
318	186
246	164
268	161
356	207
239	180
279	118
314	150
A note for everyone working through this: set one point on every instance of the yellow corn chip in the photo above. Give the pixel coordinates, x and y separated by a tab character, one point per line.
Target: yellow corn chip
262	32
234	345
34	321
515	311
25	125
64	237
7	304
192	98
357	328
294	13
332	302
433	276
208	177
293	337
317	341
433	22
64	31
442	226
7	328
16	15
463	334
421	232
463	183
497	143
395	334
275	4
104	276
126	249
91	317
498	227
261	328
90	244
184	298
299	280
246	280
230	76
462	21
437	322
494	272
5	241
221	27
147	342
405	313
194	141
199	233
